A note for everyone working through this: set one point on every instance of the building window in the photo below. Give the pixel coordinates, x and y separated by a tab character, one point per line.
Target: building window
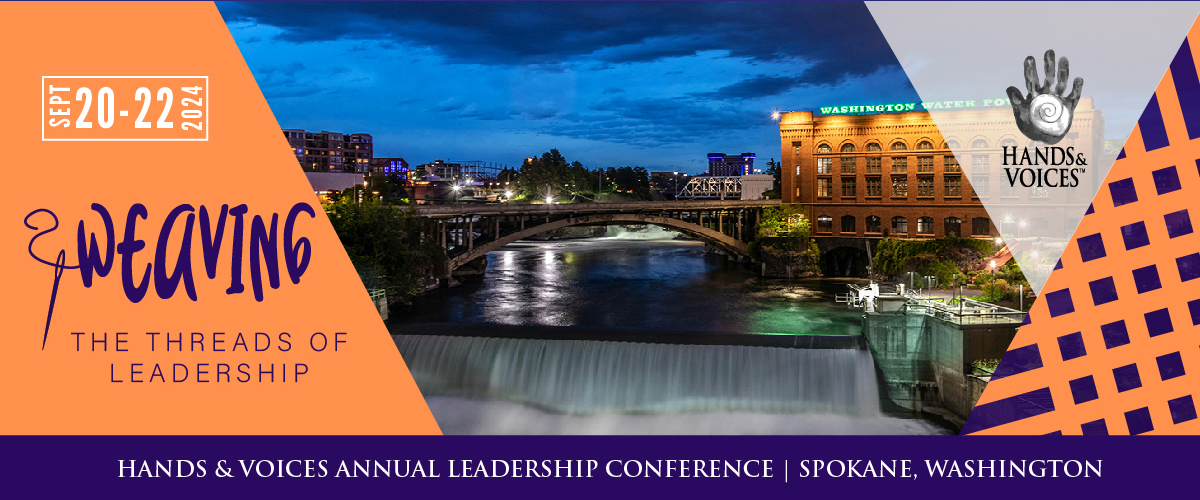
1007	190
899	186
951	145
848	187
900	165
925	163
979	185
925	186
899	146
825	187
899	225
953	226
824	165
874	165
824	224
1038	192
980	226
796	145
874	146
874	187
797	169
1008	143
979	163
1039	227
847	148
953	186
950	164
848	165
848	224
979	144
824	148
874	224
924	145
925	225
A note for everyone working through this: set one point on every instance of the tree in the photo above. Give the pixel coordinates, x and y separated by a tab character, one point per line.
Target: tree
786	220
775	169
385	243
551	175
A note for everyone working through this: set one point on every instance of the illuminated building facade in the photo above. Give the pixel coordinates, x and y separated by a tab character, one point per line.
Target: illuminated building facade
894	174
331	151
720	164
391	167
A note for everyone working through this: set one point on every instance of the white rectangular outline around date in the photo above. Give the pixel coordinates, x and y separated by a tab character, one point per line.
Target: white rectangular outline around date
207	121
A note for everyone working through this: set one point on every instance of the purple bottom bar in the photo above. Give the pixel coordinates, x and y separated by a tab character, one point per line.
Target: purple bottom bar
59	466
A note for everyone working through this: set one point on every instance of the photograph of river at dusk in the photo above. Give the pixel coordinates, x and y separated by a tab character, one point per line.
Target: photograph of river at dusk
646	217
485	379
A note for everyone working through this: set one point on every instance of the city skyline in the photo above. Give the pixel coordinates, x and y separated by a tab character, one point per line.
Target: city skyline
657	85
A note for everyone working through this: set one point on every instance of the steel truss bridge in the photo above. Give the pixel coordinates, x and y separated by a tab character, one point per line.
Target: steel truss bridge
712	187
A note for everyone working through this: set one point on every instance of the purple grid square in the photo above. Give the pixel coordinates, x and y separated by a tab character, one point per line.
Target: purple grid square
1178	223
1139	421
1189	267
1146	279
1084	390
1159	322
1135	235
1071	346
1095	428
1103	291
1091	247
1127	377
1170	366
1115	334
1166	180
1123	192
1182	409
1059	303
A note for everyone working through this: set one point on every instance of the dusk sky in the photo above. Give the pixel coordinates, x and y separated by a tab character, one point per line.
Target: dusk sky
608	84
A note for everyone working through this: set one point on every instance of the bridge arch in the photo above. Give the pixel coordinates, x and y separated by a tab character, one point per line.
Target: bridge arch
712	236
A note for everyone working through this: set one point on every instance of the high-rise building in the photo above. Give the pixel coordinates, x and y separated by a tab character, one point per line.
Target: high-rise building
331	151
720	164
391	167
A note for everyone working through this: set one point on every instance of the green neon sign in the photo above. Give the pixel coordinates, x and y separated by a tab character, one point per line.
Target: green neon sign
904	107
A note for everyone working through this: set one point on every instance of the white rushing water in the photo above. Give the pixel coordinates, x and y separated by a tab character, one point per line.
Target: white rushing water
648	232
583	377
458	415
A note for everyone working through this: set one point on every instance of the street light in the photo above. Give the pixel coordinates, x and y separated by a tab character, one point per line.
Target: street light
549	200
992	265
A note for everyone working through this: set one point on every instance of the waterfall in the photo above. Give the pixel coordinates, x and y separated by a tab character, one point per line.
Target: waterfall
649	232
585	377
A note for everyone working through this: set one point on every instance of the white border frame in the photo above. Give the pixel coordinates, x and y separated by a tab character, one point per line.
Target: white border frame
207	118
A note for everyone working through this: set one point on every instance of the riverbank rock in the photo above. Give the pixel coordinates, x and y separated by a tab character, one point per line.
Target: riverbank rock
786	258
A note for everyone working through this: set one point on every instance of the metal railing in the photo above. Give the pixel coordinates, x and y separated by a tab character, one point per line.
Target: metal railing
964	312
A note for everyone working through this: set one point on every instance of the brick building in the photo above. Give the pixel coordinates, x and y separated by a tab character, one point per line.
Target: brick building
331	151
894	174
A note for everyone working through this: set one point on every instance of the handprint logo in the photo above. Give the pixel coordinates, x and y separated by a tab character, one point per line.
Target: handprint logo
1043	115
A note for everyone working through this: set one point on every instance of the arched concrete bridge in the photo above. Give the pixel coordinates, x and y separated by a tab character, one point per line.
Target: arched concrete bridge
468	232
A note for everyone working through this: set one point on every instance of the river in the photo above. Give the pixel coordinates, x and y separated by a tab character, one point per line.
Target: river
593	295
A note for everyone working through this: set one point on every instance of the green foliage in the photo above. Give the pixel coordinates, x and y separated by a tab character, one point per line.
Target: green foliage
775	169
985	366
384	242
895	257
785	220
552	175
